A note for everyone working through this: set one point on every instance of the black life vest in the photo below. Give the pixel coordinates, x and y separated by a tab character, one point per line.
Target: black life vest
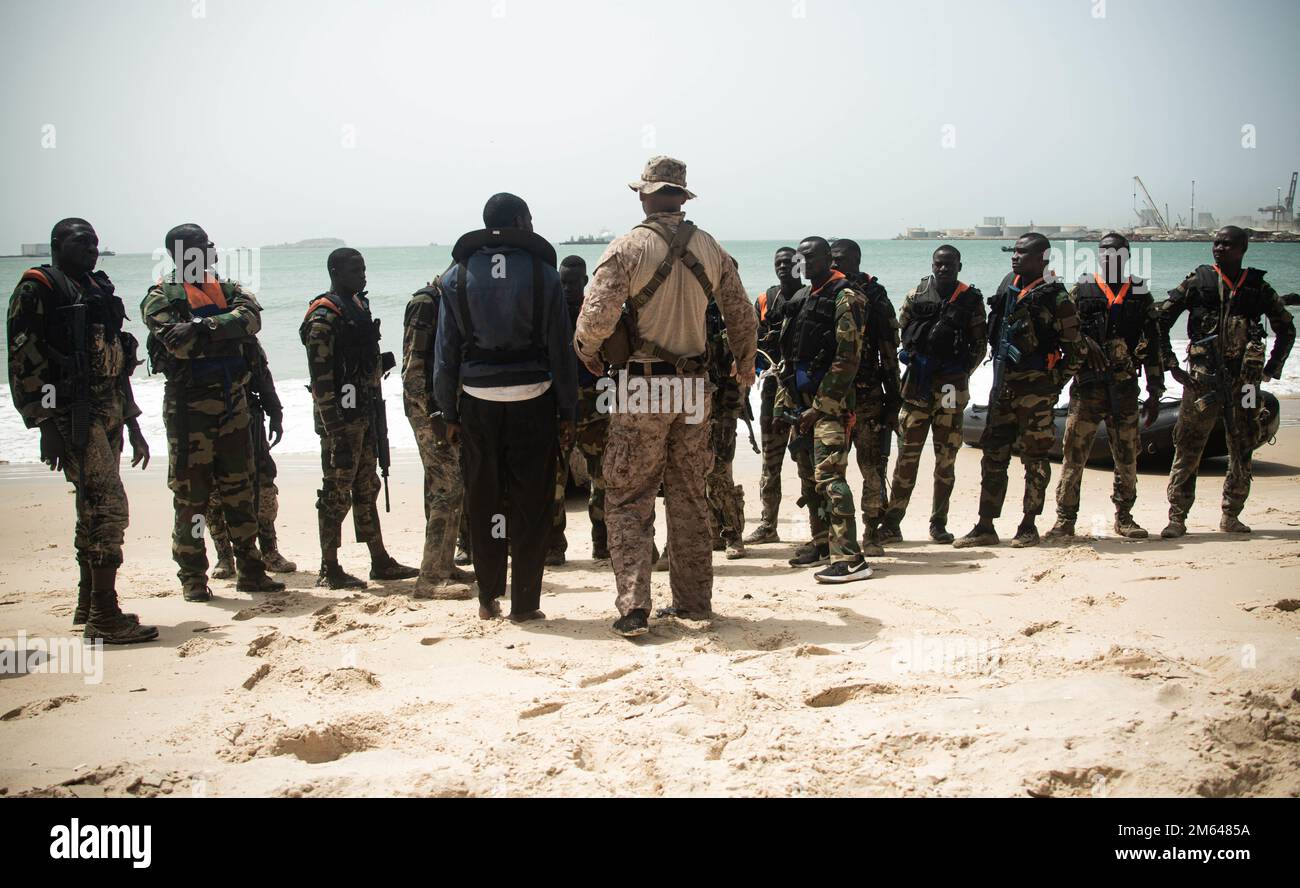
95	291
356	343
810	334
937	327
1039	345
1102	321
542	254
1204	308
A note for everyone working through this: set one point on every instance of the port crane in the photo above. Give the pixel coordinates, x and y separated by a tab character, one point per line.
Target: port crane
1283	212
1151	205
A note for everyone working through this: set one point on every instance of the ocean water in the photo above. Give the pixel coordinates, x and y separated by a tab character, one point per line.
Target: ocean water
286	280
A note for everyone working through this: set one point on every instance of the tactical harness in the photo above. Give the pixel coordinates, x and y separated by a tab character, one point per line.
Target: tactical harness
812	341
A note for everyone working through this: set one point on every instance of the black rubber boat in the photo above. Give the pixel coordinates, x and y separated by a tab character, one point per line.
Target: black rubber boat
1157	442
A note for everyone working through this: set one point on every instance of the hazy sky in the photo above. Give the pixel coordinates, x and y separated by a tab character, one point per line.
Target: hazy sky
391	122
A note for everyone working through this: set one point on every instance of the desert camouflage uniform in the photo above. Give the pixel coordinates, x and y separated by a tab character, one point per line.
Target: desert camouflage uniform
1023	416
645	450
263	403
444	488
939	405
1129	340
825	489
205	411
877	398
339	356
1242	337
34	320
726	497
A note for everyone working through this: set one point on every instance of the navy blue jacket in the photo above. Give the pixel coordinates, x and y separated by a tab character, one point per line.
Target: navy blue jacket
501	315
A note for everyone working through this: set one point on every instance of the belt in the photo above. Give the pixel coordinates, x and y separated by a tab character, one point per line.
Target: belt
656	368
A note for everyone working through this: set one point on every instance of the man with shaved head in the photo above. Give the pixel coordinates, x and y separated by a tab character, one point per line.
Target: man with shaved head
201	331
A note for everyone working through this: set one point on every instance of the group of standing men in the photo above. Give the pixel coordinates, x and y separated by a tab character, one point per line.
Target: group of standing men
509	362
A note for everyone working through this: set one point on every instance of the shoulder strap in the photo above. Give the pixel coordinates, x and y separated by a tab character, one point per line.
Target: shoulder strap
463	321
323	301
677	244
539	304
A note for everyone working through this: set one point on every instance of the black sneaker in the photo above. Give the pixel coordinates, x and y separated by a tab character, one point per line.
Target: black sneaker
635	624
844	572
811	556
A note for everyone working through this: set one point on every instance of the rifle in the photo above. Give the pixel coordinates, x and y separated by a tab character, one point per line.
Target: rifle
1220	389
379	417
747	416
1093	326
77	364
1005	350
798	443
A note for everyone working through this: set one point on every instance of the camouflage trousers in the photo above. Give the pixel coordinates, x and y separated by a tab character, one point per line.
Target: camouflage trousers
774	444
589	440
826	490
1023	419
209	448
102	513
643	451
871	440
266	495
942	420
726	498
1089	406
353	486
444	495
1190	434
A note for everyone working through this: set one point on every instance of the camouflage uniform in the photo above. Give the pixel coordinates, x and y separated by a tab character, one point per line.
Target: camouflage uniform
1050	354
877	398
263	402
444	489
1127	338
1234	316
590	430
936	389
726	497
770	309
205	411
344	364
825	489
645	450
35	326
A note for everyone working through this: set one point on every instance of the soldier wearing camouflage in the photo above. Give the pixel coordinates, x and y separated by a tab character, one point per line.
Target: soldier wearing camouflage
944	338
1225	367
263	407
669	447
1043	330
81	405
200	331
346	368
1118	323
726	497
877	398
770	308
821	346
444	489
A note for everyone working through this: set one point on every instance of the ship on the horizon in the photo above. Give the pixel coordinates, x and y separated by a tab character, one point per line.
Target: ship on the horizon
606	236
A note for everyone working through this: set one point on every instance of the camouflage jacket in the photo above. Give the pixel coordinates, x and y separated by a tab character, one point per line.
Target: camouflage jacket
1046	330
261	385
836	393
223	337
878	372
1127	333
343	364
1238	326
727	397
37	336
419	334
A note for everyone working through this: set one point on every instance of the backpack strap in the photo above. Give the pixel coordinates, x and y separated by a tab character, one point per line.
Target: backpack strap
678	242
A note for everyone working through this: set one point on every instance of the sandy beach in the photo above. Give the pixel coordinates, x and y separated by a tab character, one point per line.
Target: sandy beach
1099	668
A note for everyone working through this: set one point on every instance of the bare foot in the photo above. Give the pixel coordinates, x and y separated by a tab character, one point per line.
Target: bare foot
489	612
525	618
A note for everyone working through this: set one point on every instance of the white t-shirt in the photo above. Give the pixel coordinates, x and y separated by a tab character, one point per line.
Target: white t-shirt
525	392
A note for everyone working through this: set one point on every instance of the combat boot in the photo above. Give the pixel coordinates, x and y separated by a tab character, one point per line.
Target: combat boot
811	555
271	557
82	611
1176	528
889	532
1126	527
939	533
333	576
257	580
386	567
635	624
1232	524
762	534
735	548
871	547
555	558
1064	527
659	563
978	536
600	552
1026	537
225	568
196	591
106	622
441	590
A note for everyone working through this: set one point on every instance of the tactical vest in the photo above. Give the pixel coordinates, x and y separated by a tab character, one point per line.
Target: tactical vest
1037	339
1243	310
878	314
808	338
434	292
108	349
356	341
1106	323
227	365
937	327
